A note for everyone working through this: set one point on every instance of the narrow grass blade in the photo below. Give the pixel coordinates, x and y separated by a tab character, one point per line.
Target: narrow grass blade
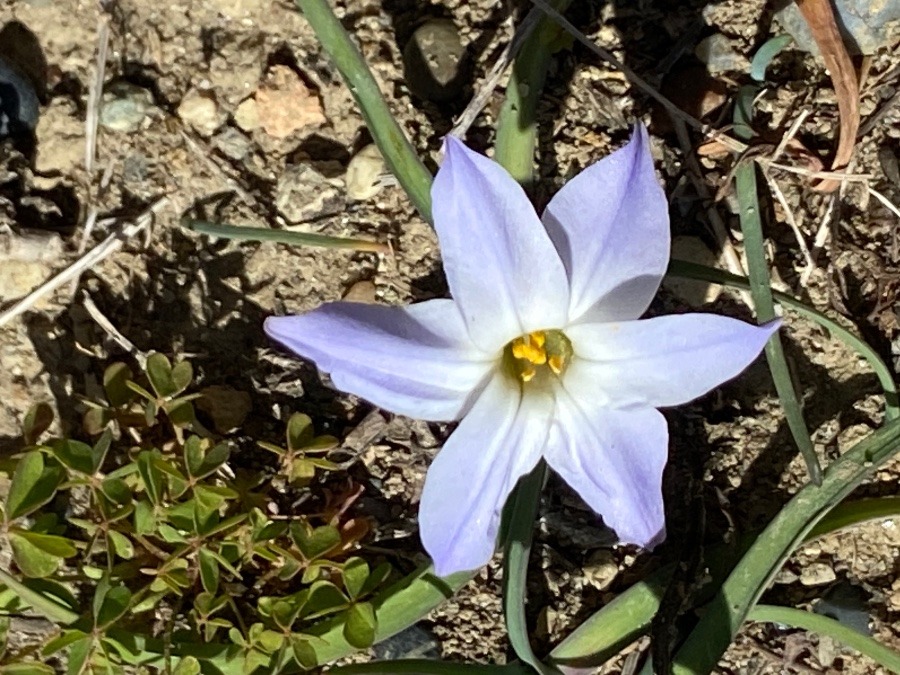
750	577
283	236
848	514
688	270
758	268
428	667
630	614
823	625
398	153
522	512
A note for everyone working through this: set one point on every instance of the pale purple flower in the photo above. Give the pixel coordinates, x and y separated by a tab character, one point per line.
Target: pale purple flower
540	352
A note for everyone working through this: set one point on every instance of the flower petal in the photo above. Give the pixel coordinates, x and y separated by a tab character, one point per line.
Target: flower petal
614	459
415	360
664	361
499	440
501	267
610	224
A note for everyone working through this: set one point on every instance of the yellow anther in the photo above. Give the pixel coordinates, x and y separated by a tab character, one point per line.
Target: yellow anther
557	363
530	348
538	355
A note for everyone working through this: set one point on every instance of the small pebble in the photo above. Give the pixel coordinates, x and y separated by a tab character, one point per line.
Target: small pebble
125	107
200	110
304	194
817	574
601	569
233	144
28	261
247	115
364	173
720	55
285	104
434	61
865	25
19	105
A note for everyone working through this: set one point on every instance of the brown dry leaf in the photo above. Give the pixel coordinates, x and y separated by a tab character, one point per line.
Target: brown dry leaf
822	25
284	104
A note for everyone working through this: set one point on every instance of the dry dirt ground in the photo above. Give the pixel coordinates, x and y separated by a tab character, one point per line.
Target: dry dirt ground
190	137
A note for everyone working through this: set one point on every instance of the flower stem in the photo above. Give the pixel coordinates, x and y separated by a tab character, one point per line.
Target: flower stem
398	153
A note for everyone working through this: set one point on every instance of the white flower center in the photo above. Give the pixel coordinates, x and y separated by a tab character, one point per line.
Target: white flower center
537	358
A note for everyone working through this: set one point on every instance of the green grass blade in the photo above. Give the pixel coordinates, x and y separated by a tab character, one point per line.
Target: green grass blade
750	577
522	512
282	236
761	292
848	514
428	667
396	149
823	625
630	614
688	270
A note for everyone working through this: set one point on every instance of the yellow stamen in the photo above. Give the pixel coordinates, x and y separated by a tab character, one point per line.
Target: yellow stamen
536	349
557	362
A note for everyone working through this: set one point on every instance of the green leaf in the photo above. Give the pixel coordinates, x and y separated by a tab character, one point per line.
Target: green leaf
181	412
79	653
324	598
100	449
215	458
300	432
116	490
376	578
112	606
62	641
74	455
151	475
37	420
33	485
303	651
361	624
144	518
38	555
189	665
26	668
209	571
168	381
315	542
119	544
115	379
49	543
47	597
193	455
354	574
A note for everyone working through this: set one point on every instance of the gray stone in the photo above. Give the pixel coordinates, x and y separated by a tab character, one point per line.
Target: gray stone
720	54
865	24
304	194
817	574
19	105
233	144
364	173
125	107
435	61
